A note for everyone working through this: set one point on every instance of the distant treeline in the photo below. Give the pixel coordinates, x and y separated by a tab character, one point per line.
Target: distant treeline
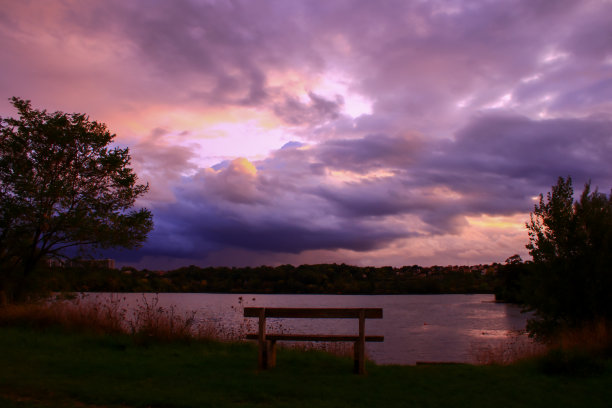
320	279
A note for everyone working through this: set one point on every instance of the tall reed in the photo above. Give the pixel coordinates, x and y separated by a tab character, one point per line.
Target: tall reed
517	346
147	321
592	340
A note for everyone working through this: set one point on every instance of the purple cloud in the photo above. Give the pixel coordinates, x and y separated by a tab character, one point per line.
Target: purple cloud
495	166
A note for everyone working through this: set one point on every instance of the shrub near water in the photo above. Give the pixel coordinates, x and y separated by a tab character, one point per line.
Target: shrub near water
572	362
594	337
153	322
579	352
516	347
568	360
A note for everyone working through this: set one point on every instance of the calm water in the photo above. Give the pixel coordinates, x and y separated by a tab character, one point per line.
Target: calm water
416	327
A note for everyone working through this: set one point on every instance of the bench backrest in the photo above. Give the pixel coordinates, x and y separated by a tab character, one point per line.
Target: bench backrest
314	313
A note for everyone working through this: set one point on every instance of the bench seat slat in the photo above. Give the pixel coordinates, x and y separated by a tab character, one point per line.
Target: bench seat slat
313	313
316	337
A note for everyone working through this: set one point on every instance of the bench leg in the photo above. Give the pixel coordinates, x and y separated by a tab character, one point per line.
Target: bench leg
263	355
359	348
271	353
359	358
267	354
263	343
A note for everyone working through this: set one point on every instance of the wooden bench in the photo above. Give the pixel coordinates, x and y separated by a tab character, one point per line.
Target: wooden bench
267	341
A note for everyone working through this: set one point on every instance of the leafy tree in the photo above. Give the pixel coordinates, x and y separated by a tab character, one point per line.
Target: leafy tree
571	246
510	277
62	186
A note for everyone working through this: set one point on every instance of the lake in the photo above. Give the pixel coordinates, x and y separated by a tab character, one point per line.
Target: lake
439	328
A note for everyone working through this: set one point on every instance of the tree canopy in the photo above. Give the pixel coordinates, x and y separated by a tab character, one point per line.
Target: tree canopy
571	246
62	185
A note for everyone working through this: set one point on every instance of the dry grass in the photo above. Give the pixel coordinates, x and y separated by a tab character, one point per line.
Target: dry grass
70	314
341	349
515	348
594	339
147	321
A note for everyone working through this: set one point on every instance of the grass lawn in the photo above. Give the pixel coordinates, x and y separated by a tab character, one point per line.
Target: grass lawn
53	368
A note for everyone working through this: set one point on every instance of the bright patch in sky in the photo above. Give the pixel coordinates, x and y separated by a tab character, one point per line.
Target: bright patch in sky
353	177
337	83
515	222
249	139
502	102
554	56
531	78
465	102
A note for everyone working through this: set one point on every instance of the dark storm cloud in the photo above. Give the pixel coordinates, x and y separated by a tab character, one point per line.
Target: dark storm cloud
197	224
370	152
496	163
213	228
494	166
523	149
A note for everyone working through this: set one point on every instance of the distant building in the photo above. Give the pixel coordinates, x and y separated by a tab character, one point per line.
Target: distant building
53	262
93	263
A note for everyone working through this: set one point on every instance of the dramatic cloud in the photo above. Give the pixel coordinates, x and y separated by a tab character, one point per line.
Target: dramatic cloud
393	132
360	195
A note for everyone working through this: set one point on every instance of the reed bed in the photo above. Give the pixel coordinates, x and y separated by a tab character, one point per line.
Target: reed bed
147	321
517	347
594	338
572	352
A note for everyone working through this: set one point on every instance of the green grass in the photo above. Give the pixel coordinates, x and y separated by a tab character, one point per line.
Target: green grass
53	368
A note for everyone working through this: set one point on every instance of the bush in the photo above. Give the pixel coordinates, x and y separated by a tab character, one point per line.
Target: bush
574	362
571	246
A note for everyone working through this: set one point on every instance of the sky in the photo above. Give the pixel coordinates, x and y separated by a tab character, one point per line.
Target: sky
365	132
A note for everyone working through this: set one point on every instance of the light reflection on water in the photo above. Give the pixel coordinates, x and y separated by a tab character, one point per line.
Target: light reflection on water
416	327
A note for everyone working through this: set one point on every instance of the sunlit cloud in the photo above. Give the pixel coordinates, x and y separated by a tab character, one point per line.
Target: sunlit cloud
335	83
484	221
531	78
504	101
554	56
344	176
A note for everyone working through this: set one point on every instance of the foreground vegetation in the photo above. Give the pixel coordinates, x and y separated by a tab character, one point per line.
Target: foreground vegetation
53	368
67	354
